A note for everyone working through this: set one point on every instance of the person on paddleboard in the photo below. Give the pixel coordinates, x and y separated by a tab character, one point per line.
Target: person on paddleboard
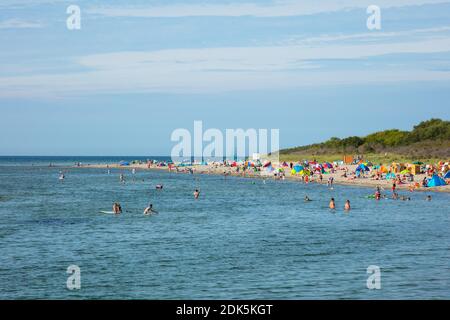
149	210
117	209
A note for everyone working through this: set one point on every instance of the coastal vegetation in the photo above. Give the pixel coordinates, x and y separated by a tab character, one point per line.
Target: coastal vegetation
428	141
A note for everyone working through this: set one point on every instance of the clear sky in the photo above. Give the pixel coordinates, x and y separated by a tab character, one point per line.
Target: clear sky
137	70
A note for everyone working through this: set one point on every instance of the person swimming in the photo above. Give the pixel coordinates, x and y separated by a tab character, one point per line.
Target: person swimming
428	198
149	210
117	209
159	186
307	199
332	204
196	194
347	206
378	193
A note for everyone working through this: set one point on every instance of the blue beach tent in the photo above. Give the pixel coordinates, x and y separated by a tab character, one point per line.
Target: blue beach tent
362	167
436	181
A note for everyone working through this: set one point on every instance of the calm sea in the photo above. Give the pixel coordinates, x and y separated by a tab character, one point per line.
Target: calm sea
242	239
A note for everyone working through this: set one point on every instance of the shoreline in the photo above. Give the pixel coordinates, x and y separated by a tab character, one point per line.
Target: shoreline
229	171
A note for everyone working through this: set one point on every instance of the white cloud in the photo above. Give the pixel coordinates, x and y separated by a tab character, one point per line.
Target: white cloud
275	9
368	36
225	69
19	24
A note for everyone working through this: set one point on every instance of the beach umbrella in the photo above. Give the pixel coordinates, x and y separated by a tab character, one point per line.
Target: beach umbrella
327	165
418	163
124	163
304	173
390	176
362	167
298	168
267	164
406	171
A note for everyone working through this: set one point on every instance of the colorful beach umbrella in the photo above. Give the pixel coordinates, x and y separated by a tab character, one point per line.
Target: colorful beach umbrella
305	173
390	176
267	164
327	165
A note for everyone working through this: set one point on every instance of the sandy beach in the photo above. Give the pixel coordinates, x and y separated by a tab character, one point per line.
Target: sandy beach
218	169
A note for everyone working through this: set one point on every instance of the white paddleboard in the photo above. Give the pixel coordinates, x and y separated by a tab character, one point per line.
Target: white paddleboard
108	212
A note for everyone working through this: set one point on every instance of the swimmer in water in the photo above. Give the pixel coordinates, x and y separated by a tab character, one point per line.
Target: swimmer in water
149	210
378	194
307	199
196	194
122	178
117	209
347	206
428	198
332	204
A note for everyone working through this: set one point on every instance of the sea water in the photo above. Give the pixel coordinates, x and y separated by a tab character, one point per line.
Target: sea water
243	239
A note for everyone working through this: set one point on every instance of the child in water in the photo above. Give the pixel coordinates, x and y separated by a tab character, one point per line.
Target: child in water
196	194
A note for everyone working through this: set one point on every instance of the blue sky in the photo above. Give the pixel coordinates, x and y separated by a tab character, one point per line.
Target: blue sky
137	70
